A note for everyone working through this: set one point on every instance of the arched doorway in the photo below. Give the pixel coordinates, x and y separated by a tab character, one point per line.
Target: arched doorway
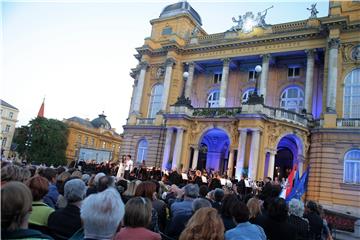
289	149
214	150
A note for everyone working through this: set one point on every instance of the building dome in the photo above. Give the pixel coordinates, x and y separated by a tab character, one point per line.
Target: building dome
101	122
179	8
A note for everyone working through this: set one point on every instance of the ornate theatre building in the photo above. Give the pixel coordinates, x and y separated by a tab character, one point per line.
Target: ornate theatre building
256	99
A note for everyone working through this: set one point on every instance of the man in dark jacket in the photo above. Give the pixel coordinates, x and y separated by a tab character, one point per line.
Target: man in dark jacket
63	223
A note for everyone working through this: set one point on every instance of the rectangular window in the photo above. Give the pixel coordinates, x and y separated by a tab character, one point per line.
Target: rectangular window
252	75
293	72
86	140
217	78
92	142
4	141
11	115
7	128
167	31
104	145
79	138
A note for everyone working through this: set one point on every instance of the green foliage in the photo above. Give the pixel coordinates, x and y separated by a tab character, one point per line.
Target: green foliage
20	139
45	141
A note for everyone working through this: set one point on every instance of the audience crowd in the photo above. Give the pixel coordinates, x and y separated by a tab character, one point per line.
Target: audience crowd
73	203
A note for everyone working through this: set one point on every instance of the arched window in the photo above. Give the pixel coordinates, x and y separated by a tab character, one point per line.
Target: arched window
155	100
246	95
142	151
352	94
213	99
292	99
352	166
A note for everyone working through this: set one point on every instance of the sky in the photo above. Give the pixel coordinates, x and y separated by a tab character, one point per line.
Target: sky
78	54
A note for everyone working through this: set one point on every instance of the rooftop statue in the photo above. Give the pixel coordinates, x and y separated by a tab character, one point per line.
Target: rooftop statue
313	11
248	21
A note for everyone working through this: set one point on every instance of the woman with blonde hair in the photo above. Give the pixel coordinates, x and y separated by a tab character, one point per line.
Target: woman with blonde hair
204	224
254	207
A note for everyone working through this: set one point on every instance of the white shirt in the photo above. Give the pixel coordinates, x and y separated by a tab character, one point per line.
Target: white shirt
129	165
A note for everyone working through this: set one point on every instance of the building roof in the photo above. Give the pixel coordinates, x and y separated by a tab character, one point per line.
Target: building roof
81	121
179	8
5	104
101	122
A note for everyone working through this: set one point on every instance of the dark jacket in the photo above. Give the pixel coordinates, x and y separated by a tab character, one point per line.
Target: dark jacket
177	225
23	234
276	230
301	226
215	183
228	222
160	207
52	196
316	225
65	222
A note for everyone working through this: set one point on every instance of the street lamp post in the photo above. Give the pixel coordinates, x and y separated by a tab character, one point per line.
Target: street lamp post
254	98
182	100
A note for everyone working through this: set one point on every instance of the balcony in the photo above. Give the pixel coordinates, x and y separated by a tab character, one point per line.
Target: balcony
348	123
239	112
145	121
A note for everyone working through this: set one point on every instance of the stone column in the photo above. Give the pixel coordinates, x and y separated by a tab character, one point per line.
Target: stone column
224	82
178	147
309	80
231	163
271	164
254	154
264	75
140	87
189	81
195	158
241	153
133	97
167	148
301	160
333	47
169	63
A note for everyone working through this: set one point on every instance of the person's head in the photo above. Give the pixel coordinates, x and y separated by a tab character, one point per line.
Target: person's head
146	189
60	181
74	190
49	174
200	203
191	191
16	202
296	207
240	212
101	214
210	195
227	205
60	170
128	157
254	207
10	173
39	187
131	188
85	177
218	194
278	210
97	178
203	191
198	173
267	179
104	183
77	174
204	224
312	207
137	212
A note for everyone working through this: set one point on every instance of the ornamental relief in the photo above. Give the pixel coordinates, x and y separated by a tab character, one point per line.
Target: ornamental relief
351	52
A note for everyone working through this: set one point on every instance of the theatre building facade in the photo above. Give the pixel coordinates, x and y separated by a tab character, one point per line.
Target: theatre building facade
254	100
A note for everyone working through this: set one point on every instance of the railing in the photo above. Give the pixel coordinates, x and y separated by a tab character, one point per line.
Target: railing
216	112
351	123
145	121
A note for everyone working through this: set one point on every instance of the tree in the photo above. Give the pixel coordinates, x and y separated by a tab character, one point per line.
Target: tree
44	141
